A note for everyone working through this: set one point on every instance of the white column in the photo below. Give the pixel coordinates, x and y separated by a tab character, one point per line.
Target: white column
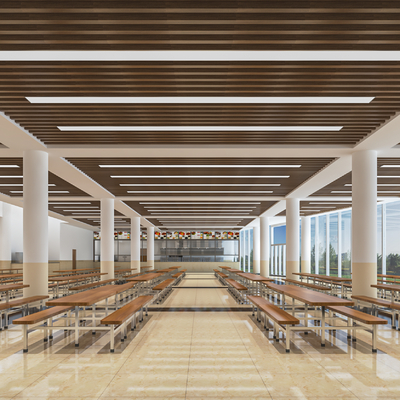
292	238
256	247
135	244
35	222
150	246
5	236
306	244
264	246
107	238
364	223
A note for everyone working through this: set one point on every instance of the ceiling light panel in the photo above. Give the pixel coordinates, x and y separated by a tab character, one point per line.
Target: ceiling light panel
206	203
198	191
200	166
198	176
200	184
200	128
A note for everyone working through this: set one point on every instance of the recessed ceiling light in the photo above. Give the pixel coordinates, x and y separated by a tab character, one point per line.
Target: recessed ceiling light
69	203
201	184
305	207
9	166
200	100
205	211
390	166
388	191
379	184
200	166
221	207
70	206
86	211
198	176
50	191
19	184
203	202
200	128
340	191
335	203
388	176
11	176
199	191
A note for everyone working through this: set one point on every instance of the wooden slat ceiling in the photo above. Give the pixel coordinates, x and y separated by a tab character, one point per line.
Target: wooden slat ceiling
16	174
185	25
214	224
316	206
209	25
309	166
78	207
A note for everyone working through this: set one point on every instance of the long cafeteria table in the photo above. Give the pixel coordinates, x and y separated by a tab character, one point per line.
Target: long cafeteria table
10	276
146	281
88	298
254	282
333	280
393	289
384	278
72	278
76	271
10	270
9	288
310	298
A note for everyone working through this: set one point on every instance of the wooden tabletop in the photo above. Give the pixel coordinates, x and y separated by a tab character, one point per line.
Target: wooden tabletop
124	270
387	287
144	278
76	277
86	298
389	276
254	277
327	277
6	288
310	297
226	267
147	266
4	276
233	270
165	270
74	271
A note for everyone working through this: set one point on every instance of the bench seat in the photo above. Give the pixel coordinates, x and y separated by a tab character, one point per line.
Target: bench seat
395	307
123	315
6	306
362	317
41	316
276	314
236	285
163	289
164	284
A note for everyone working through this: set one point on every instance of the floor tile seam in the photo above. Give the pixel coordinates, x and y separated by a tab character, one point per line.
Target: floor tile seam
42	375
255	366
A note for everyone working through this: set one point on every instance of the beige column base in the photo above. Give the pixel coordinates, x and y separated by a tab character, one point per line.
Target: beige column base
256	266
150	263
364	275
292	266
5	264
264	268
305	266
36	275
107	266
135	265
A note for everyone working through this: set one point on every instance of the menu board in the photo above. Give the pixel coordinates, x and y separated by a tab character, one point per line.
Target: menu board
226	235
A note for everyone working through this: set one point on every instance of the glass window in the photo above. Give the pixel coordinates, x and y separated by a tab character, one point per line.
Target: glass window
280	234
346	244
379	239
333	244
251	250
246	252
393	238
322	244
313	245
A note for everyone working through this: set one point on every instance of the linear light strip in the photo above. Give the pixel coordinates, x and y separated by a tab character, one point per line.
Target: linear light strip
200	184
50	191
200	166
204	210
68	203
177	208
18	184
197	176
199	191
203	202
11	176
200	128
9	166
379	184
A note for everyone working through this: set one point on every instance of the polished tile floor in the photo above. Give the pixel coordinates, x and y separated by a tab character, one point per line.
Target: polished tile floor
195	355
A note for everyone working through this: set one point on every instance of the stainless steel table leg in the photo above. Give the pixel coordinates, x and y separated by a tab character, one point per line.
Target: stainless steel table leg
93	319
323	326
76	326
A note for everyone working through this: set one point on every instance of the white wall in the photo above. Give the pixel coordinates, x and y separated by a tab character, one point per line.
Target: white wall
76	238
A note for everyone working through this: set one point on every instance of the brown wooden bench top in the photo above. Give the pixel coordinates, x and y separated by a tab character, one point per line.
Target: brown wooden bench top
222	275
6	288
177	275
119	316
384	286
145	277
92	285
10	276
236	285
76	277
40	316
21	302
358	315
280	316
132	275
378	302
309	285
164	284
253	277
